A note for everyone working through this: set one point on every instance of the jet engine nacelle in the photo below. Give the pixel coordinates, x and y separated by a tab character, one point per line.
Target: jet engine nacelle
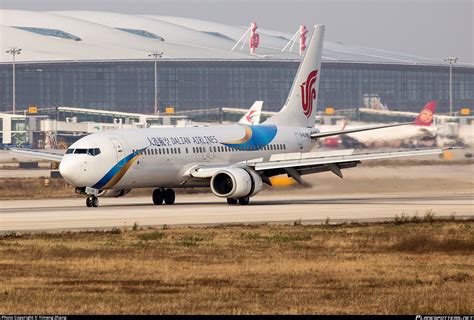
113	193
236	183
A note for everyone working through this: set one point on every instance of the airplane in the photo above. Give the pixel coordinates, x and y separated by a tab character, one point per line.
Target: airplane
421	131
234	160
252	116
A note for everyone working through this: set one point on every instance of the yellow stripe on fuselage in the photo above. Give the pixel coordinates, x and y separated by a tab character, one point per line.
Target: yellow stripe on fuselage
246	137
121	172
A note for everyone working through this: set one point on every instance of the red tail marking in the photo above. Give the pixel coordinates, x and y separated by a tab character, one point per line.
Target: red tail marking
308	93
425	118
250	116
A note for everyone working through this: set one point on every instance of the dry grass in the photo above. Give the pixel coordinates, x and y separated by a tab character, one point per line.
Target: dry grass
415	268
34	188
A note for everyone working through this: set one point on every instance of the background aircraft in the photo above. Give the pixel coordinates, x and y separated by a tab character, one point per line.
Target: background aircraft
421	133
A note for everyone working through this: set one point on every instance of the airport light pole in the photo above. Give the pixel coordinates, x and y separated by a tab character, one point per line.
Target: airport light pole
156	55
14	51
451	61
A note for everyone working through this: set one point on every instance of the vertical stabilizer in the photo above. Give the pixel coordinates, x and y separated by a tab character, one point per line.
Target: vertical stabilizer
300	107
425	118
253	114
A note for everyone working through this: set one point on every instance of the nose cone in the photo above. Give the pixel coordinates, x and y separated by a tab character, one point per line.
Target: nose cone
70	170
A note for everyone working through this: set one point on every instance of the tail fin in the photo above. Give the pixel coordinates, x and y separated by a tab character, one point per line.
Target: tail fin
253	115
425	118
300	107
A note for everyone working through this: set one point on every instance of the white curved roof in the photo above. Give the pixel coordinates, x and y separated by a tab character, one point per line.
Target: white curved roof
102	37
99	35
170	32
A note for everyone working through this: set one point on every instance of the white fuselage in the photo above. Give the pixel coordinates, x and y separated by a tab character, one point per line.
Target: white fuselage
164	157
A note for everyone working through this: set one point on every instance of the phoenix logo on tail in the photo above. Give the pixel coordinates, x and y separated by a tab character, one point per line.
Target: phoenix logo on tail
425	118
308	93
250	116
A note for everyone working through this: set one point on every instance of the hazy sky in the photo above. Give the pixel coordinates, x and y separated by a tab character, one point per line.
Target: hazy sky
429	28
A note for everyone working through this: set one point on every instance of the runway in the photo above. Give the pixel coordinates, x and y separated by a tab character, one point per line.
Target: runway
72	214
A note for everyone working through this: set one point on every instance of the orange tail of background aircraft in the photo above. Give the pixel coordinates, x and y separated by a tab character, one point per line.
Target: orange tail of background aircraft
425	118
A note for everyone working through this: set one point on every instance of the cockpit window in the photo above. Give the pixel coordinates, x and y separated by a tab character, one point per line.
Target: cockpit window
91	151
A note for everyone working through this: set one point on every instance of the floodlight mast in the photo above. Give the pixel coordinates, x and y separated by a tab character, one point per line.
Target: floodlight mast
451	61
14	51
155	55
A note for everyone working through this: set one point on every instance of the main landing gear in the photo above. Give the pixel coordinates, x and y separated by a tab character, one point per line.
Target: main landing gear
92	201
166	195
242	201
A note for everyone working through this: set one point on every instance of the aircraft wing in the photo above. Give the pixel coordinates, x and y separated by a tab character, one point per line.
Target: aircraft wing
317	135
38	154
298	164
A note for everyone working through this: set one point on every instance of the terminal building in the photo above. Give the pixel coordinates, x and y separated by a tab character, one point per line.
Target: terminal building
101	60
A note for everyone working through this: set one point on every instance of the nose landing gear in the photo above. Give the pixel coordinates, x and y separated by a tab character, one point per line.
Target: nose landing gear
92	201
242	201
166	195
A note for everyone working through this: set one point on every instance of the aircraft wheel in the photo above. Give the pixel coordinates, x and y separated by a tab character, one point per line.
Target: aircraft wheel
157	197
231	201
89	202
92	201
95	202
244	201
169	196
